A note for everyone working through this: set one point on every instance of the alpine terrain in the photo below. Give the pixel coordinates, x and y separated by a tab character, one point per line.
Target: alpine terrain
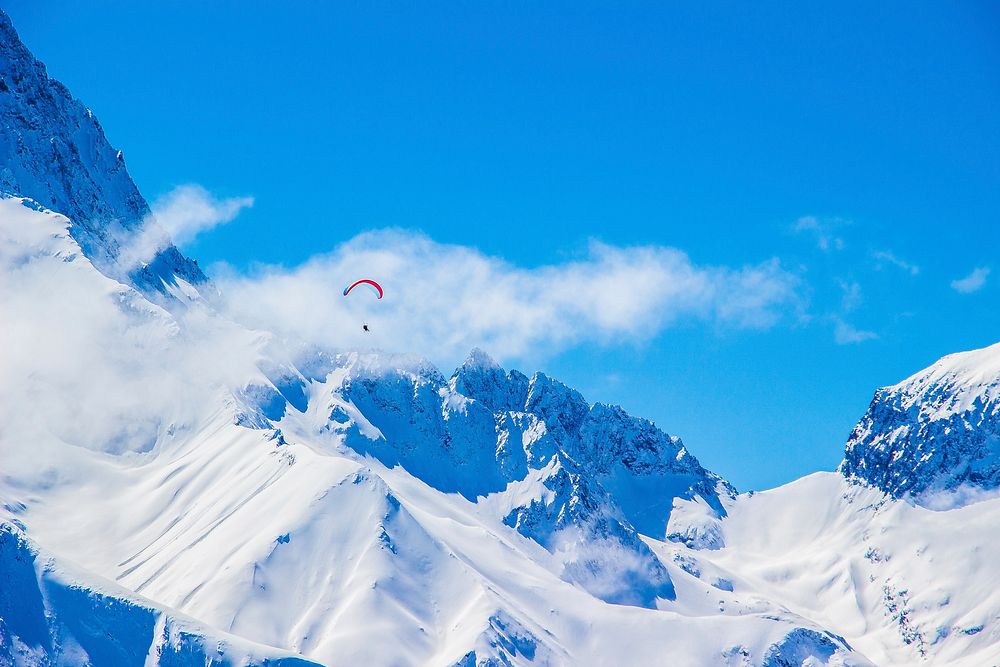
179	489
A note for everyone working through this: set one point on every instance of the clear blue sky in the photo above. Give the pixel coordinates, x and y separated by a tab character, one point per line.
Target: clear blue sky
525	131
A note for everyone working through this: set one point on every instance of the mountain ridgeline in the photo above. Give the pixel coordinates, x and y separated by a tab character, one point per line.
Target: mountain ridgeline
53	150
607	476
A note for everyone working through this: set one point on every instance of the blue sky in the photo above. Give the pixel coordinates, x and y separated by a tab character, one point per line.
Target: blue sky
859	147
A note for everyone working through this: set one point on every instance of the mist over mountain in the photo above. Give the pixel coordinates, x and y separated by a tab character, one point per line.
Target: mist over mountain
179	487
54	151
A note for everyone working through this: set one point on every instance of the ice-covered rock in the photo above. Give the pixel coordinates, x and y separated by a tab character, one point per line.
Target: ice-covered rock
481	378
938	430
696	524
53	150
803	646
484	428
445	438
597	476
505	643
576	519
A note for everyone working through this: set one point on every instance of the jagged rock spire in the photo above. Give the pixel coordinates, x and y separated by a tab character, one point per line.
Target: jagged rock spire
53	150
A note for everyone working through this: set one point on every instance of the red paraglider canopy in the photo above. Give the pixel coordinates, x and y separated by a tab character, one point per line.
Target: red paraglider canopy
365	281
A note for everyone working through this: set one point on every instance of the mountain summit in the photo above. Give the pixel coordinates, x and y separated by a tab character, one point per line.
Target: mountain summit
53	150
938	430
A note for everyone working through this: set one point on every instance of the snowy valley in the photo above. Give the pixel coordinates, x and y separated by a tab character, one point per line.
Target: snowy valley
177	488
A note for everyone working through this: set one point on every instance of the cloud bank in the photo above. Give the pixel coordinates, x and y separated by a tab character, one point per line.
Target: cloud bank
142	374
441	300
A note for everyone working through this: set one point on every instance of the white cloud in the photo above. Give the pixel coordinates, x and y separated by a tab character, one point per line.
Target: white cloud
943	500
846	334
179	216
972	282
441	300
822	230
188	210
851	295
86	360
883	257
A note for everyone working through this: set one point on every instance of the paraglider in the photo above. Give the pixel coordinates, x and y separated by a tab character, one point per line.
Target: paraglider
364	281
374	286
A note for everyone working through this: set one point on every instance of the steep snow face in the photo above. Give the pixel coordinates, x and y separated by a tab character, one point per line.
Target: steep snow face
53	150
51	614
642	467
485	428
440	436
902	584
938	430
583	481
577	520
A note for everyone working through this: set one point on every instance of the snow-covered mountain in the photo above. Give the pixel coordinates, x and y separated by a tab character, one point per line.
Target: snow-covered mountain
54	151
318	504
179	489
938	430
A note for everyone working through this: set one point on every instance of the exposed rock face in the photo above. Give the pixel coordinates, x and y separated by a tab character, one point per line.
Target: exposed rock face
802	646
53	150
583	481
937	430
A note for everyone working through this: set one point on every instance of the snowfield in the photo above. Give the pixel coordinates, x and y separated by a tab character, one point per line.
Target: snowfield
901	583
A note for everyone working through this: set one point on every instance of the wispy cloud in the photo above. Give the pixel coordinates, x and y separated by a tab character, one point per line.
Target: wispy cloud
850	295
823	231
847	334
179	216
972	282
441	300
887	257
188	210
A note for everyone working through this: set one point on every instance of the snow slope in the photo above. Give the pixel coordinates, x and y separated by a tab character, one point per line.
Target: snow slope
47	616
902	584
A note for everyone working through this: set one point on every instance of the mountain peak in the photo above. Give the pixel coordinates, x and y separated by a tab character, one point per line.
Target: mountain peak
936	431
54	151
481	378
479	358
